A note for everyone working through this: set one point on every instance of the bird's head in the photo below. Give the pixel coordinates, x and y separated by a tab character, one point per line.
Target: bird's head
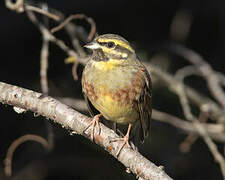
110	46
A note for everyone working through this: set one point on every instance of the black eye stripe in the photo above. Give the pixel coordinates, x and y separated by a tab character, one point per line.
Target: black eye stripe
109	44
103	43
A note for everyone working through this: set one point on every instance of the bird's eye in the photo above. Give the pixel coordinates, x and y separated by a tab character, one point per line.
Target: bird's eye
110	44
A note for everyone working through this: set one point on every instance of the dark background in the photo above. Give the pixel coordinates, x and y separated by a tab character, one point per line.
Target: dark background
146	24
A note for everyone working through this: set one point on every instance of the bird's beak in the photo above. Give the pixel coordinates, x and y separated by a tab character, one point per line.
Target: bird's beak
92	45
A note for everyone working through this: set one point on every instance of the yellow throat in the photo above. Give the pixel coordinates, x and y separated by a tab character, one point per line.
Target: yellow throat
107	65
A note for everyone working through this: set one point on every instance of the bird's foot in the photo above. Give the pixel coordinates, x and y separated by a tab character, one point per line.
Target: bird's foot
125	140
94	122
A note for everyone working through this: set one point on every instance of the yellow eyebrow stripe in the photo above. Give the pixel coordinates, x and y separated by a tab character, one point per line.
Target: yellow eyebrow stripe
119	42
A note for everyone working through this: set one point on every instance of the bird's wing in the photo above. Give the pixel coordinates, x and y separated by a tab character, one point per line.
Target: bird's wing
145	105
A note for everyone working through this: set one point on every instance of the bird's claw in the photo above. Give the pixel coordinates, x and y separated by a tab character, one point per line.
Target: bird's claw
94	122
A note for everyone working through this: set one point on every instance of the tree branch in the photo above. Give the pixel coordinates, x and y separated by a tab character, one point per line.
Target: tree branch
71	119
215	112
189	116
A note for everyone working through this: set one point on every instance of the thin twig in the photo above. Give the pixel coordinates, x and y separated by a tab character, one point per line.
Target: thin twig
44	62
72	32
77	16
19	7
185	146
186	71
42	11
20	3
15	144
212	81
47	36
192	70
191	138
52	38
221	77
44	74
215	111
215	131
70	52
74	71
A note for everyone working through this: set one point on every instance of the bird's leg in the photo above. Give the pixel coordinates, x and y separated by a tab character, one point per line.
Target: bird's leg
125	140
94	122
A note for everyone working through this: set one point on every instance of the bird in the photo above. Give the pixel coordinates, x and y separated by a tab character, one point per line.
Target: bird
117	86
